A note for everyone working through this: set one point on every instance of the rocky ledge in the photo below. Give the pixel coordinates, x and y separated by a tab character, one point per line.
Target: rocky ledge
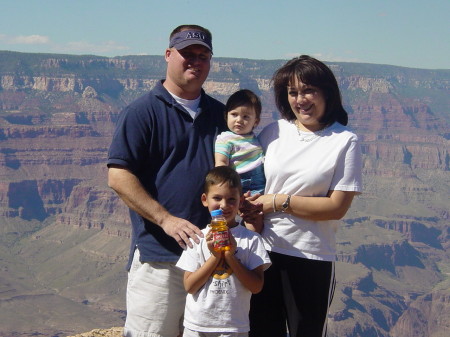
113	332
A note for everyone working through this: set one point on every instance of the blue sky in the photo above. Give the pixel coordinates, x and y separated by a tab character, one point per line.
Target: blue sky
410	33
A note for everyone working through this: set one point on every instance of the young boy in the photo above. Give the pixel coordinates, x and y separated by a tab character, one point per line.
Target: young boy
220	284
239	148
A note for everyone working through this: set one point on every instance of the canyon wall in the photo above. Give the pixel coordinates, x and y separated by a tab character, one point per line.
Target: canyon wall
57	116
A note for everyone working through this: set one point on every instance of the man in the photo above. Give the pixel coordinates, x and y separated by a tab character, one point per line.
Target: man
160	153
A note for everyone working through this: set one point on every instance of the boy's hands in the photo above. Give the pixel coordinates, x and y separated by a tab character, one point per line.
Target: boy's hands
210	244
233	245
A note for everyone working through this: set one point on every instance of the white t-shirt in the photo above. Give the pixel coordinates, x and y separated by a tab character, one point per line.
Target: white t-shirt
331	161
223	303
191	105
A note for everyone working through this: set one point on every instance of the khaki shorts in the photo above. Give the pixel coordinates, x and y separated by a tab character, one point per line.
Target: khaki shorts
155	299
191	333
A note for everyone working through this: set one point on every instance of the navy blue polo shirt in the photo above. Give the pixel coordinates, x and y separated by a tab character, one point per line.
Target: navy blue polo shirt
170	153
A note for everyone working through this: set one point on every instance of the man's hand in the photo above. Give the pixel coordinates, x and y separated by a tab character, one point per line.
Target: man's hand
181	230
131	191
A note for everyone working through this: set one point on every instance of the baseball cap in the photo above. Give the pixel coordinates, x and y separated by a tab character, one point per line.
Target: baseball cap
186	38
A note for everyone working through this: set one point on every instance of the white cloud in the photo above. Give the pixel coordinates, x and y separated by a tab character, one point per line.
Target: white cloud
25	39
334	58
91	48
76	47
328	57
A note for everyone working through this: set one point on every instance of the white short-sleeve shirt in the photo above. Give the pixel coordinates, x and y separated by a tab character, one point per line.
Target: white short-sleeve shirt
223	303
330	161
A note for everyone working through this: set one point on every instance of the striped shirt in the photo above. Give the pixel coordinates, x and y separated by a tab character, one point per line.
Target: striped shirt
244	151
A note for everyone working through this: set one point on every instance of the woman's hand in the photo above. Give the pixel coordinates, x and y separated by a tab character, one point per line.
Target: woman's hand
251	212
333	206
256	204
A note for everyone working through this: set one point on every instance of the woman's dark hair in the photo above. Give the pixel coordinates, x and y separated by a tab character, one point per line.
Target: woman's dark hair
243	97
312	72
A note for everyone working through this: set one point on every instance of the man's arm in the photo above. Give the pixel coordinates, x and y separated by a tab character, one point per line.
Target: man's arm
131	191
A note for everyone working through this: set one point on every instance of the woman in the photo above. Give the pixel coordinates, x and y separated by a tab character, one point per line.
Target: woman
313	171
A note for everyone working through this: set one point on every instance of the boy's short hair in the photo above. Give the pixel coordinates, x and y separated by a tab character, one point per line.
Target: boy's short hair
220	175
243	97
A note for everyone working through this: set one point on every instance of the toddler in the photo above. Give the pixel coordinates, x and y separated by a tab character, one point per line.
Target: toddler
239	148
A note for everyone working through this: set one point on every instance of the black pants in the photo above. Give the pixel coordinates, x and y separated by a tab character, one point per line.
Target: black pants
297	291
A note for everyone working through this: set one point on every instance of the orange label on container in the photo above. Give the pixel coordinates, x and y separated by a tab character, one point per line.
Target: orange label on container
221	240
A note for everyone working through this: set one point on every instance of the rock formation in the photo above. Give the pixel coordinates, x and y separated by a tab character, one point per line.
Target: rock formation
66	234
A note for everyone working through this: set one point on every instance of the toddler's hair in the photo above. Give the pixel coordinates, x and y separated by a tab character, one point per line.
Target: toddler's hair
243	97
